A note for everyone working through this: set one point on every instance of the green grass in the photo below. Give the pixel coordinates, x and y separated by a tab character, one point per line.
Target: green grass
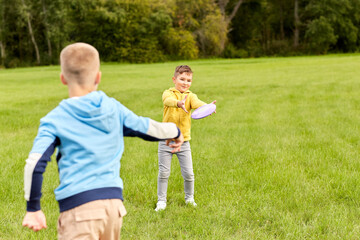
279	160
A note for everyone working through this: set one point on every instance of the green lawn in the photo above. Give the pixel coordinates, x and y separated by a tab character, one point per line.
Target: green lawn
279	159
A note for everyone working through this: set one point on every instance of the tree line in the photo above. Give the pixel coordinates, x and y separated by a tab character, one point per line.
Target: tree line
33	32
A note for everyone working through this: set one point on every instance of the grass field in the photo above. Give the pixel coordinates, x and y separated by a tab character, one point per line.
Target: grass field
279	160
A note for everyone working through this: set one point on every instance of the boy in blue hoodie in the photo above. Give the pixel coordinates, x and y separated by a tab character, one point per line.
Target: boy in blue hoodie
88	130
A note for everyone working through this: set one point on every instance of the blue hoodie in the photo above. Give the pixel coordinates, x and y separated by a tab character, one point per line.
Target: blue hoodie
88	132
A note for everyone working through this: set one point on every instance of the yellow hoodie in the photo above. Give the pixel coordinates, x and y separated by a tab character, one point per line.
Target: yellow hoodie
174	114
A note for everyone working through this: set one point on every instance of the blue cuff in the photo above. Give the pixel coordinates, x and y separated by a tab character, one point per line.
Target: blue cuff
33	206
179	133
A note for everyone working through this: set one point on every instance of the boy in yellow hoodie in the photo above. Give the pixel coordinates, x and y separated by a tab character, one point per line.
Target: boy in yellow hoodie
178	102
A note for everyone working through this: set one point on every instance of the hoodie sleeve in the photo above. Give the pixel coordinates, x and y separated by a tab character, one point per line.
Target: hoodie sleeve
169	99
146	128
44	146
195	102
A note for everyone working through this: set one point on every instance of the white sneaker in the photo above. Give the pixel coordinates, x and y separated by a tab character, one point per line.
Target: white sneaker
191	202
160	205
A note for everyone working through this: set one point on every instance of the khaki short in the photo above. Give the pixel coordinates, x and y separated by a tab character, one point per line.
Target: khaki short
100	219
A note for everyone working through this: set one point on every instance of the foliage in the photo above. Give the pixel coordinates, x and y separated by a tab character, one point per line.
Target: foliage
33	32
246	34
337	15
205	21
122	31
212	35
232	52
47	22
181	44
320	35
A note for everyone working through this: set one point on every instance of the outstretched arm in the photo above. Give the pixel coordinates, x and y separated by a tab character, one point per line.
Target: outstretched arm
150	130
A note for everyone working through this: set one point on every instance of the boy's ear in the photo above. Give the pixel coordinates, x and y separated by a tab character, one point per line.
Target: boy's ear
98	78
173	79
63	80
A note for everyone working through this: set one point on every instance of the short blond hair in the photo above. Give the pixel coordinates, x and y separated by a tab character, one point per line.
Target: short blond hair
181	69
80	62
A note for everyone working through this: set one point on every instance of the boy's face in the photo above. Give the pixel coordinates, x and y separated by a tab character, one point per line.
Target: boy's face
183	81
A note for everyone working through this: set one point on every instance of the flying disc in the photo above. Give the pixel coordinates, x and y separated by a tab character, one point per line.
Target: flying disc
203	111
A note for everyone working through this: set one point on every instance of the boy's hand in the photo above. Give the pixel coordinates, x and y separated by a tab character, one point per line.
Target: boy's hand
35	220
213	102
181	104
178	142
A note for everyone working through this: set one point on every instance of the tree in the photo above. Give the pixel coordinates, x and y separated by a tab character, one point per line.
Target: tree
212	35
296	23
121	30
34	31
320	35
204	20
181	43
223	4
2	33
27	15
46	25
340	16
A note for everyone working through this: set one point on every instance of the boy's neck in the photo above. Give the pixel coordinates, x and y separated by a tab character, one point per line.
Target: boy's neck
181	91
77	91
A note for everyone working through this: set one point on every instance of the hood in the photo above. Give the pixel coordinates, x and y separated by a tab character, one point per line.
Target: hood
95	109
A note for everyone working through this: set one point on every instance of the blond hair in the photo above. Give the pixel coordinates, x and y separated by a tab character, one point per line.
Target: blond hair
80	63
181	69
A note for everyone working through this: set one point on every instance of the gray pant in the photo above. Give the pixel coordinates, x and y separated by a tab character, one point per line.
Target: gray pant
187	172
